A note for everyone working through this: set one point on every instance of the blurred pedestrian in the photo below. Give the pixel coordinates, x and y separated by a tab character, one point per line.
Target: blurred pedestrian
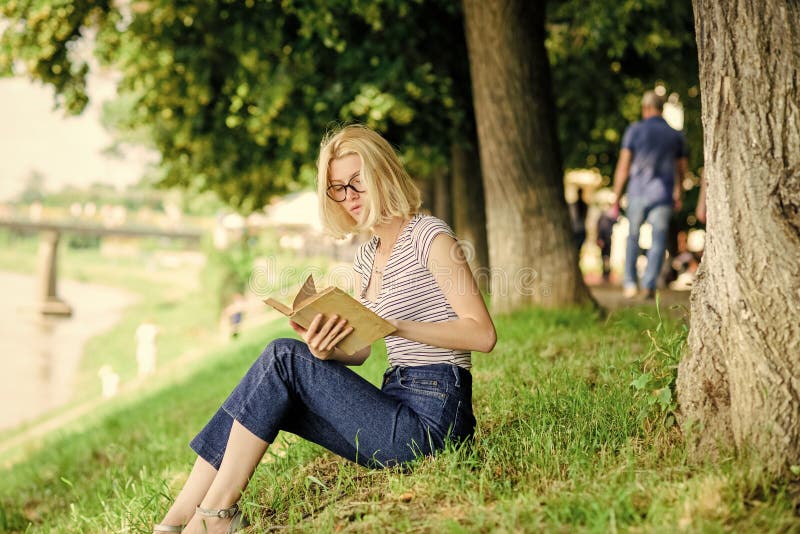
234	312
605	228
577	215
654	158
684	263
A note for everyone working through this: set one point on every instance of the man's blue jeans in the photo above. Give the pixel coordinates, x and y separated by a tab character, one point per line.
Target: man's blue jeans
658	216
287	388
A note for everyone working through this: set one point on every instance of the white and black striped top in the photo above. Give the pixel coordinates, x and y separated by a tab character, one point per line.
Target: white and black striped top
410	292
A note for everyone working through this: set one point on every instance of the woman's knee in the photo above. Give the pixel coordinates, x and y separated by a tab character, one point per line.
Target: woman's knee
281	348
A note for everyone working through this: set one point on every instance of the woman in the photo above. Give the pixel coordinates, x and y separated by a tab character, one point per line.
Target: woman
413	274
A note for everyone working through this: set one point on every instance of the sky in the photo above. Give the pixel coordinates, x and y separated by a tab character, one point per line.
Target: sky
66	150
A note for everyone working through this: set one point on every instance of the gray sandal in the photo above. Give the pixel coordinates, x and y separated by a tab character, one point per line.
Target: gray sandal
238	520
167	528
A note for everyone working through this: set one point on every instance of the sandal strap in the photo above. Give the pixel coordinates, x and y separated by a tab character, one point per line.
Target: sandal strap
224	513
167	528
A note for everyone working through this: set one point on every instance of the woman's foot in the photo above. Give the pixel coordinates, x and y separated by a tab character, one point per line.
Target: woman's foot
216	521
174	521
164	527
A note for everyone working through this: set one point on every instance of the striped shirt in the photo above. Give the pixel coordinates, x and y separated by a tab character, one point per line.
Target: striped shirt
410	292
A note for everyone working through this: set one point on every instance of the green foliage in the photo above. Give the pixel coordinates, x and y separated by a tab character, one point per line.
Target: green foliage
99	194
33	191
43	36
605	55
83	241
228	272
235	95
655	384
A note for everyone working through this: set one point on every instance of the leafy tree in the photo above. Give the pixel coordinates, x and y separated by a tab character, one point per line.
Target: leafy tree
605	55
235	95
33	190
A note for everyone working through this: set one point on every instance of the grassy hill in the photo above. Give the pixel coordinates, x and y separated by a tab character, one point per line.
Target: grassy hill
575	433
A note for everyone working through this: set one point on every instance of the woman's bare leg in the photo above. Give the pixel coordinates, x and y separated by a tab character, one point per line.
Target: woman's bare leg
242	454
195	488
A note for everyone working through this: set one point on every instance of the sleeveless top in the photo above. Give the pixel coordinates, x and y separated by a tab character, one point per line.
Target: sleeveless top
410	292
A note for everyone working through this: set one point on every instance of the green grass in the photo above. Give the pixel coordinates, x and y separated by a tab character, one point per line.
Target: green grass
574	434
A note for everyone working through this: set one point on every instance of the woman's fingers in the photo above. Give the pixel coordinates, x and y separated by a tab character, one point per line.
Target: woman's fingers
319	328
297	328
325	329
318	334
329	341
323	337
312	328
335	335
311	334
343	334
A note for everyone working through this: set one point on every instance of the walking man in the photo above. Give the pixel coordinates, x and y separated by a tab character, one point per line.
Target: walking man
654	157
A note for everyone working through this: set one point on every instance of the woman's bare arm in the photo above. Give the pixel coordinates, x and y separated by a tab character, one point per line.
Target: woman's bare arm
474	329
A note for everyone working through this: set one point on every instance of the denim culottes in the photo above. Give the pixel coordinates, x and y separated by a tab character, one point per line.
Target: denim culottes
414	413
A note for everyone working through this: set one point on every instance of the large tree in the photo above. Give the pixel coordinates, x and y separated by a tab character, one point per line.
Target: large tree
235	95
740	385
531	249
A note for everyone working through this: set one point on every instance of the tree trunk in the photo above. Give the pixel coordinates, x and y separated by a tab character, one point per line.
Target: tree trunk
469	209
740	384
530	239
426	191
442	199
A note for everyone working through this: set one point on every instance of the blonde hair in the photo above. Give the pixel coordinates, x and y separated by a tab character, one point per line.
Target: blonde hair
390	190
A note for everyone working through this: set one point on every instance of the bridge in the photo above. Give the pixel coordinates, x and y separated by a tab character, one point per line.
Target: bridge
50	234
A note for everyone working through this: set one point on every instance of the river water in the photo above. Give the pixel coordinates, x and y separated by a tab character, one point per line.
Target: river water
40	356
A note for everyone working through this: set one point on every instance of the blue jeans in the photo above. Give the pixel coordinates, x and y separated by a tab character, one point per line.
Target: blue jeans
287	388
658	216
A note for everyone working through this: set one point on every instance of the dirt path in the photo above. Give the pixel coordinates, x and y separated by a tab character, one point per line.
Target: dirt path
675	303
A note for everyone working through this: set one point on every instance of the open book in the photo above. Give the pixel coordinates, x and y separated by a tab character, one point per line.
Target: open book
367	325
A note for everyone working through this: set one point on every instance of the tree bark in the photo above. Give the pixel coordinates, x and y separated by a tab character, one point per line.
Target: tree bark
739	386
442	198
469	209
426	191
530	239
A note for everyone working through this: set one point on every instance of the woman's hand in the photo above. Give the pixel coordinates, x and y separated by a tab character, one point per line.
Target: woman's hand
322	338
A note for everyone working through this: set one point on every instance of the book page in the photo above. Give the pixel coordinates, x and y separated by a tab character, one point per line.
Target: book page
278	306
307	291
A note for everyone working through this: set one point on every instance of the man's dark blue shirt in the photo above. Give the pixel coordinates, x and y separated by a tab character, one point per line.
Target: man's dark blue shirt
655	146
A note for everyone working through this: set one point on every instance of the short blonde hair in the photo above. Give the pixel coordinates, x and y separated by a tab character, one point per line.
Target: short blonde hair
390	190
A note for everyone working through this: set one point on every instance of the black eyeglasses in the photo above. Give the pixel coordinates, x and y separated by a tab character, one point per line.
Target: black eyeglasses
338	192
